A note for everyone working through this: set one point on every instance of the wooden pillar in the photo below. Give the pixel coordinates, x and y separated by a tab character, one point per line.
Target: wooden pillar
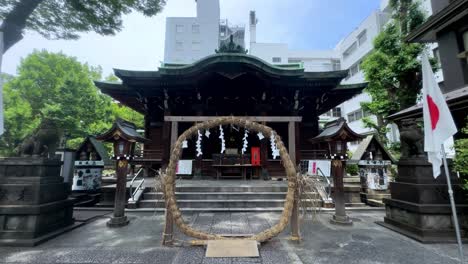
166	144
295	228
298	142
292	142
264	145
338	171
168	235
119	219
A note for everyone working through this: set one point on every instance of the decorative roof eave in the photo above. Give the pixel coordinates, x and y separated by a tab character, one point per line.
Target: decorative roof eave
351	87
120	92
123	129
361	150
255	62
98	146
335	129
456	100
426	32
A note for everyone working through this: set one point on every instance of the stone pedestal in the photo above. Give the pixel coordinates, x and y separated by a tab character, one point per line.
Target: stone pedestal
419	206
34	201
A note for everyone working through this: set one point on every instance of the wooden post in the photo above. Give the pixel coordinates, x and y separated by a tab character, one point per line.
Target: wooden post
119	219
340	217
168	235
166	144
295	228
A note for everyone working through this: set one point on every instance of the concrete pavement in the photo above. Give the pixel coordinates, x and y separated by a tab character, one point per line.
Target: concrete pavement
140	242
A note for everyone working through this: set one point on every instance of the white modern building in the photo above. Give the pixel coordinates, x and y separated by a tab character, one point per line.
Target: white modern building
279	53
189	39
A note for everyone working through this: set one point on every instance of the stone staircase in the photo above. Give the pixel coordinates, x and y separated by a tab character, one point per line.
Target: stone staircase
221	197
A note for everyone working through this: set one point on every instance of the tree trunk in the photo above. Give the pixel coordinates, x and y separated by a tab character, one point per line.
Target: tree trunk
15	22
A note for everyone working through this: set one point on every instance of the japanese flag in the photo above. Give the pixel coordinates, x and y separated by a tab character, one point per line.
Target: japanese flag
438	122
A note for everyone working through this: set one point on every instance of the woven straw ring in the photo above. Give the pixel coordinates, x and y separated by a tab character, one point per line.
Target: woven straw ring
171	202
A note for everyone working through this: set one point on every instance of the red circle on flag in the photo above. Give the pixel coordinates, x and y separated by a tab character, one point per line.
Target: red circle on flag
433	112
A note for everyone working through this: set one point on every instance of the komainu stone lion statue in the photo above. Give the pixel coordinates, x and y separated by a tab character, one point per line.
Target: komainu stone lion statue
42	142
412	139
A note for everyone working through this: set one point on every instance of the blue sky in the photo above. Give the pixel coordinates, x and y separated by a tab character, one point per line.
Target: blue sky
303	24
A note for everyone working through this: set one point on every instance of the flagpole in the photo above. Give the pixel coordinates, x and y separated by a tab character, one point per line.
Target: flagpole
452	203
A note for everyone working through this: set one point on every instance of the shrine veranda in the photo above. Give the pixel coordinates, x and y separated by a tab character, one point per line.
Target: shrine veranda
284	97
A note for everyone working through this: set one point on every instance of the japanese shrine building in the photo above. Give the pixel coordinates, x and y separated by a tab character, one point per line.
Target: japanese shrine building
285	97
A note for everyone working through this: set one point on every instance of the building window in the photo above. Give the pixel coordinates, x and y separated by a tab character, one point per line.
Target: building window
276	60
350	50
180	28
353	70
357	115
336	65
336	112
195	29
293	60
196	45
436	54
362	37
179	45
465	45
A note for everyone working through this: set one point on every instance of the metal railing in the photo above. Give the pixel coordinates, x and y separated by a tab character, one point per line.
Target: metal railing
141	171
328	192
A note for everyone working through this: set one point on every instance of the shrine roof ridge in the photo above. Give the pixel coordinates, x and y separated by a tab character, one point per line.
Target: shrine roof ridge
282	70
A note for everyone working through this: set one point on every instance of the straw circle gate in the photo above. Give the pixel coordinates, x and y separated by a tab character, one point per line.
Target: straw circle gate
170	177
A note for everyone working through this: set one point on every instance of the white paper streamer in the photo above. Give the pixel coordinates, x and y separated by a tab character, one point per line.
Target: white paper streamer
274	149
246	143
221	136
185	144
260	135
207	133
198	145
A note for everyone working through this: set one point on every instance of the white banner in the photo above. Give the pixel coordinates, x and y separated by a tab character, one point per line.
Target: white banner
315	165
184	167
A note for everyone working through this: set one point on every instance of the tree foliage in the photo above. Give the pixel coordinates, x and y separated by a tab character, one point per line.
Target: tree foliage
65	19
393	69
461	157
60	88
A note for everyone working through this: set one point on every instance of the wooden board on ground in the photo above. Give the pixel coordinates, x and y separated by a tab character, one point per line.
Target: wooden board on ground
232	249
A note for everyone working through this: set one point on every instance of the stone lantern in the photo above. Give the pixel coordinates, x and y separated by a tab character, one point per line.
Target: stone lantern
334	139
124	136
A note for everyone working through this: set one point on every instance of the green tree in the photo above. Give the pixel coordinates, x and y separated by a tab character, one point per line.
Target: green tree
65	19
18	120
392	68
461	156
61	88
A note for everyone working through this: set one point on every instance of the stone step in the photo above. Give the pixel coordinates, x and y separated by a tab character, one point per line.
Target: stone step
226	204
352	180
218	195
238	188
375	203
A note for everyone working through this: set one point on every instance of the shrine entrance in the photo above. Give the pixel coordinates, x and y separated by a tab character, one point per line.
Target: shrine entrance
174	215
238	153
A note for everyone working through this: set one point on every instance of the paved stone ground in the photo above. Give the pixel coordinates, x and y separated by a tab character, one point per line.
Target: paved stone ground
140	242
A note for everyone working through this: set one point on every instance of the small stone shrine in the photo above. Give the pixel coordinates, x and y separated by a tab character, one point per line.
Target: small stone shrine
34	203
90	159
374	163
